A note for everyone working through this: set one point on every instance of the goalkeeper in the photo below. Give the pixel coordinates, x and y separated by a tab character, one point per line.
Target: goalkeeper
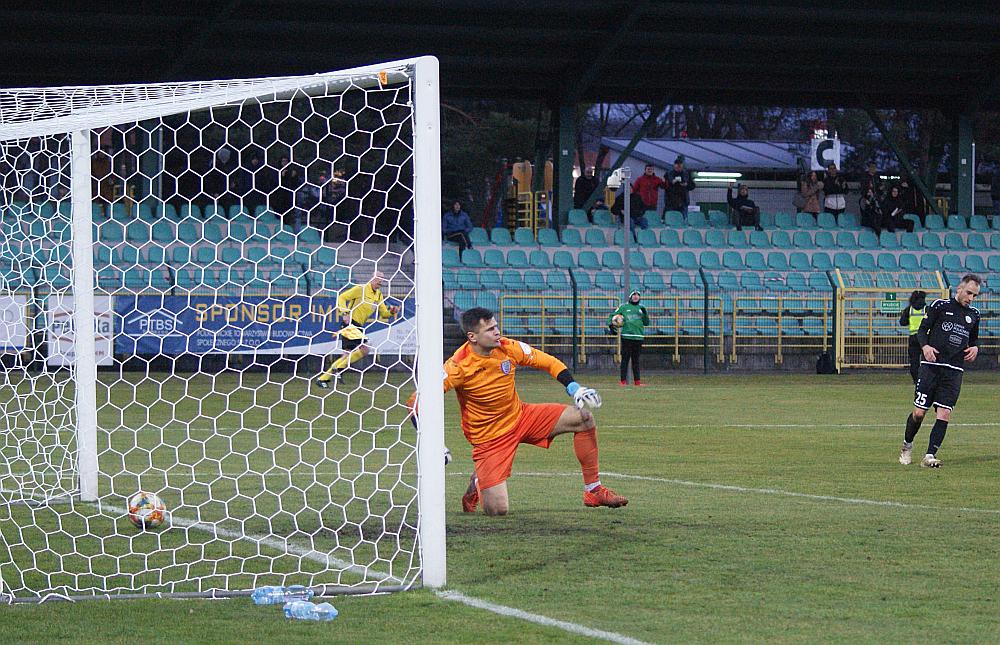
495	420
633	332
354	307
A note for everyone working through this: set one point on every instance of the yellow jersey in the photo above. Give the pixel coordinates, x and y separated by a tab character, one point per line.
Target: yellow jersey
361	302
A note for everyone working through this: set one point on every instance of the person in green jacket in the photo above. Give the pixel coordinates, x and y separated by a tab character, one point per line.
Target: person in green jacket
633	333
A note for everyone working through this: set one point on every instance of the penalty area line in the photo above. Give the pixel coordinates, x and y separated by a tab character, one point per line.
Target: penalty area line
538	619
751	426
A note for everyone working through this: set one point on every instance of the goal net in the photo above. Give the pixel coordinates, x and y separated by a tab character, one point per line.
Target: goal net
171	258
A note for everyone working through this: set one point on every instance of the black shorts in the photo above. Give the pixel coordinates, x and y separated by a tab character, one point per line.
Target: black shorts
350	344
937	386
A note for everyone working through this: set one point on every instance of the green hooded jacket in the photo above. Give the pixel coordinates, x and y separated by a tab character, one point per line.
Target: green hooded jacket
636	319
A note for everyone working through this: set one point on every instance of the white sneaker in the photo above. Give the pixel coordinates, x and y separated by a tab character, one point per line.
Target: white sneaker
930	461
906	454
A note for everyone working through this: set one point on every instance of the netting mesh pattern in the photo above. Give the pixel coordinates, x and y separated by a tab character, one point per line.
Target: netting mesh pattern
224	228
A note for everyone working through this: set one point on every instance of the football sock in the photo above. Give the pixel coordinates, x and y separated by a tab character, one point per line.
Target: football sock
912	426
344	361
937	436
585	447
590	487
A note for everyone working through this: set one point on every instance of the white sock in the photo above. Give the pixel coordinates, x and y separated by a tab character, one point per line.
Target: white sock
590	487
907	444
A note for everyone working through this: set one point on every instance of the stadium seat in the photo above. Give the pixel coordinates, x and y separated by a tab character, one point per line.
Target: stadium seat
697	219
733	260
910	241
517	259
646	238
588	260
975	264
751	280
123	256
670	238
619	238
780	240
930	262
995	240
673	219
612	260
888	240
449	279
487	300
653	218
957	223
799	261
803	240
494	258
760	240
163	232
603	218
865	262
693	239
951	262
995	223
681	281
909	262
718	219
664	260
819	282
595	237
954	242
784	221
931	241
933	222
846	240
534	281
557	281
524	237
715	239
571	237
637	260
472	258
512	280
563	260
993	263
912	217
755	261
777	261
737	239
501	237
464	300
976	242
825	220
687	261
230	255
843	261
806	221
540	259
489	280
479	237
205	255
606	281
653	281
727	281
907	281
887	262
821	261
978	223
709	261
825	240
867	240
578	217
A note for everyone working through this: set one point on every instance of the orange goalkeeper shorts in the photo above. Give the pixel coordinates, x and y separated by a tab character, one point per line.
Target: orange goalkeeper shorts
495	458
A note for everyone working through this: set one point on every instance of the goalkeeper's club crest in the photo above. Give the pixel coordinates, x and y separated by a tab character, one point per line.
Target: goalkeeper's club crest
505	367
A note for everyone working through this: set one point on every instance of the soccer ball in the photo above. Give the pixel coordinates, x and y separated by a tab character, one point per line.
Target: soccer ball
447	456
618	320
146	510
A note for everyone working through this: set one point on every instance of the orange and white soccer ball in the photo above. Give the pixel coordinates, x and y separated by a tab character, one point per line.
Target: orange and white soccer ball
618	320
146	510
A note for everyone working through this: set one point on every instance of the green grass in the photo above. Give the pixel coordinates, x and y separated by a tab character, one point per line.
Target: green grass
688	560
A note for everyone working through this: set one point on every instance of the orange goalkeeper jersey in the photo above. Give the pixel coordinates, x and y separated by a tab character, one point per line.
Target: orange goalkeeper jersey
485	386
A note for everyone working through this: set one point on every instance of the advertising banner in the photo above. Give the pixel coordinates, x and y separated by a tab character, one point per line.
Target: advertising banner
825	152
13	328
61	335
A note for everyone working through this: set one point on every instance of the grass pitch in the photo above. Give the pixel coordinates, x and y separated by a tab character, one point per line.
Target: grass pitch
763	508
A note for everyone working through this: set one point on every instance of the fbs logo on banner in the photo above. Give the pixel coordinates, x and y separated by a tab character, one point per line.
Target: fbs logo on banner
824	153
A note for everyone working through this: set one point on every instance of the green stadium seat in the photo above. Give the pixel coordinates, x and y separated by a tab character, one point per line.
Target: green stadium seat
674	219
190	210
682	281
563	260
976	242
464	300
111	232
612	260
798	261
687	261
571	237
825	240
727	281
910	241
930	262
501	237
889	241
821	261
975	264
931	241
806	221
524	237
995	240
847	241
957	223
584	283
468	280
693	239
473	259
540	259
603	218
718	219
908	262
887	262
697	219
494	258
670	239
934	222
759	240
102	255
595	237
637	260
978	223
868	240
709	261
819	282
951	262
733	260
653	281
954	242
993	263
163	232
619	238
558	280
907	281
995	223
803	240
664	260
777	261
606	281
912	217
449	279
843	261
490	279
784	221
737	239
534	280
751	280
547	237
865	262
578	217
653	218
779	239
479	237
716	239
646	238
512	280
848	221
588	260
824	220
755	261
517	259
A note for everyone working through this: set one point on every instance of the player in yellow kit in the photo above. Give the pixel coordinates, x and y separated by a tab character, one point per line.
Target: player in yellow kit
354	307
496	421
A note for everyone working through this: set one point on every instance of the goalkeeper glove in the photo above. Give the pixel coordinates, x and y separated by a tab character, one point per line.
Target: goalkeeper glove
583	396
611	330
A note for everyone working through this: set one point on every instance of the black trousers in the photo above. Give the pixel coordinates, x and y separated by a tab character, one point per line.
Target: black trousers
916	355
462	238
630	354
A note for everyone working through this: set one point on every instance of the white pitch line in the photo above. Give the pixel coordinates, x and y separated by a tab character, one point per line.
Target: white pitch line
538	619
719	426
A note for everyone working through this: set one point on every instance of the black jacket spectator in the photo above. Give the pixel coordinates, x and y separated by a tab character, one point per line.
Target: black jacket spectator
744	209
584	187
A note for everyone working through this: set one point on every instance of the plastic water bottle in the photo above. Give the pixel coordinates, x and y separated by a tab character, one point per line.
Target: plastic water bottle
275	595
305	610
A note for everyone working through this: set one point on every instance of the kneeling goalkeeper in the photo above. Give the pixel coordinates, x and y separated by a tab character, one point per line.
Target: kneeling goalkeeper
495	420
354	307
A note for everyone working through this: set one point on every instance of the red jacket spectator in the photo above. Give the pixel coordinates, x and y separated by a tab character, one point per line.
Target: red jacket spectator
647	186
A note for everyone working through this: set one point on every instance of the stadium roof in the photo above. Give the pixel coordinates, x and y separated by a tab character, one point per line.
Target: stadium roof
773	52
713	154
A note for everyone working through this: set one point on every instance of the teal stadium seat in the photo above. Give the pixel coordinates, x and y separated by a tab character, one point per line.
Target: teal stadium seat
995	223
738	239
934	222
469	280
653	281
780	239
563	260
910	241
930	262
540	259
755	261
805	220
889	241
954	242
993	263
777	261
751	281
588	260
733	260
687	261
547	237
612	260
578	217
798	261
825	240
664	260
865	262
584	283
727	281
978	223
697	219
670	239
490	280
512	280
524	237
803	240
887	262
975	264
908	262
849	221
821	261
867	240
479	237
957	223
819	282
571	237
931	241
847	241
995	240
681	281
693	239
767	220
595	237
606	281
653	218
709	261
637	260
557	281
646	238
843	261
473	259
673	219
716	239
603	218
517	259
784	221
951	262
718	219
826	220
534	280
494	258
501	237
976	242
449	279
759	240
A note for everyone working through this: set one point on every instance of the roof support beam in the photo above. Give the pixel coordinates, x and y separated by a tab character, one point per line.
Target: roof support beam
901	155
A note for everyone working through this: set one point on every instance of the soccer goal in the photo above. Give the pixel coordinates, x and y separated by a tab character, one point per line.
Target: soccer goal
170	261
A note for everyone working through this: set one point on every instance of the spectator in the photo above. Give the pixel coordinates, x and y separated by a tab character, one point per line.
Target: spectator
584	187
648	186
913	201
744	209
893	209
679	185
835	189
995	191
871	182
637	215
456	226
307	199
810	192
871	210
282	199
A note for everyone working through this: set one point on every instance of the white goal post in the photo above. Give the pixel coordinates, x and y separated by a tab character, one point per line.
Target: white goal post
171	257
